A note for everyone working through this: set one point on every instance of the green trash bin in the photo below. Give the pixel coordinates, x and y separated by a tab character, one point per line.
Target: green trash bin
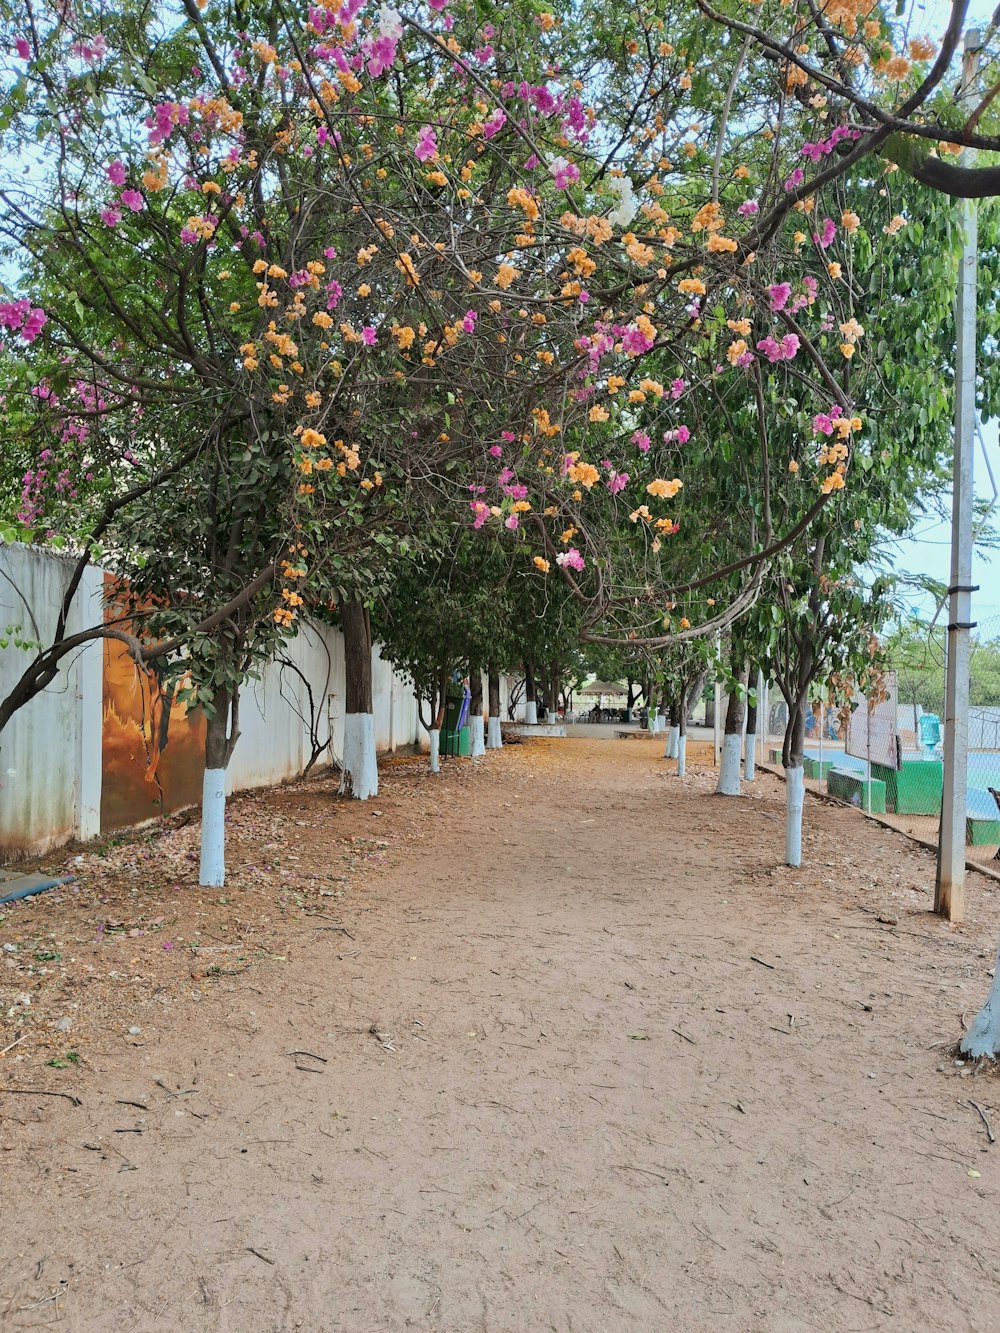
455	739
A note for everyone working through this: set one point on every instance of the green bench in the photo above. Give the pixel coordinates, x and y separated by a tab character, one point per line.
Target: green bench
914	788
846	784
816	768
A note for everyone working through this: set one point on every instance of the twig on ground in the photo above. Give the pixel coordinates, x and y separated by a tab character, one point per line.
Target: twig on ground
141	1105
267	1259
985	1119
42	1092
683	1035
16	1042
643	1170
755	959
322	1059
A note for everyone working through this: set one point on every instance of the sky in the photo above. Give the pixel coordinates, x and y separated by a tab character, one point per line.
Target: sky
929	550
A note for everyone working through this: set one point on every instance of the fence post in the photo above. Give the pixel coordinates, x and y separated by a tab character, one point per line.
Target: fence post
949	892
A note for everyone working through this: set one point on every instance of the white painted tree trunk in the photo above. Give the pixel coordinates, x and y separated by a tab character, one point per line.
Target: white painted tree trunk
682	750
213	829
477	743
653	724
795	796
729	767
551	718
673	735
661	722
435	736
531	712
983	1036
360	761
750	760
494	736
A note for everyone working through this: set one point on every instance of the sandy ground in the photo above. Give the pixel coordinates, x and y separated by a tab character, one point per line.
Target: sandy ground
552	1041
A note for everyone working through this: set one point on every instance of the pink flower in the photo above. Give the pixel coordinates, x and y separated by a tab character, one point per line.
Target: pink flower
564	173
796	178
571	559
426	144
480	511
33	325
495	124
635	342
111	217
617	482
369	335
778	294
641	441
116	173
512	522
22	48
822	424
825	238
683	435
789	346
132	199
334	292
496	451
677	388
469	321
749	208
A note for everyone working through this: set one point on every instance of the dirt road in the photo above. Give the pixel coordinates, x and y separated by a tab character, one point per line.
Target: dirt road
574	1052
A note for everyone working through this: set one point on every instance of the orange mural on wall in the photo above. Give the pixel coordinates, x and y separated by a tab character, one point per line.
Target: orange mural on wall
153	748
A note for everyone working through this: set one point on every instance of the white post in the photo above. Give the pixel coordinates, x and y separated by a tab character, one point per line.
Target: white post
795	787
682	746
673	735
949	896
360	760
729	769
213	829
435	736
494	736
477	743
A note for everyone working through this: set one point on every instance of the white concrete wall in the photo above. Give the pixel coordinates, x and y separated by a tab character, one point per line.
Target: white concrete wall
50	752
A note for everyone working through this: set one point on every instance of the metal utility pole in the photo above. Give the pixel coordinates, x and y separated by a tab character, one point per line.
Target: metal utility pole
949	897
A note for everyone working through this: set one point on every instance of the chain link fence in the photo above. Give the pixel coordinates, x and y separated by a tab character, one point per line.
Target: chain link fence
888	760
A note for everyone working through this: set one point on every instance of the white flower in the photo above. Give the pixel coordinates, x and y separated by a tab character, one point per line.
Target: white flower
390	23
627	207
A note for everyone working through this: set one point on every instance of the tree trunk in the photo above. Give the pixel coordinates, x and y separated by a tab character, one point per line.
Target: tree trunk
219	745
750	755
494	740
360	765
530	699
439	706
983	1036
682	740
673	730
729	769
477	741
552	697
792	751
